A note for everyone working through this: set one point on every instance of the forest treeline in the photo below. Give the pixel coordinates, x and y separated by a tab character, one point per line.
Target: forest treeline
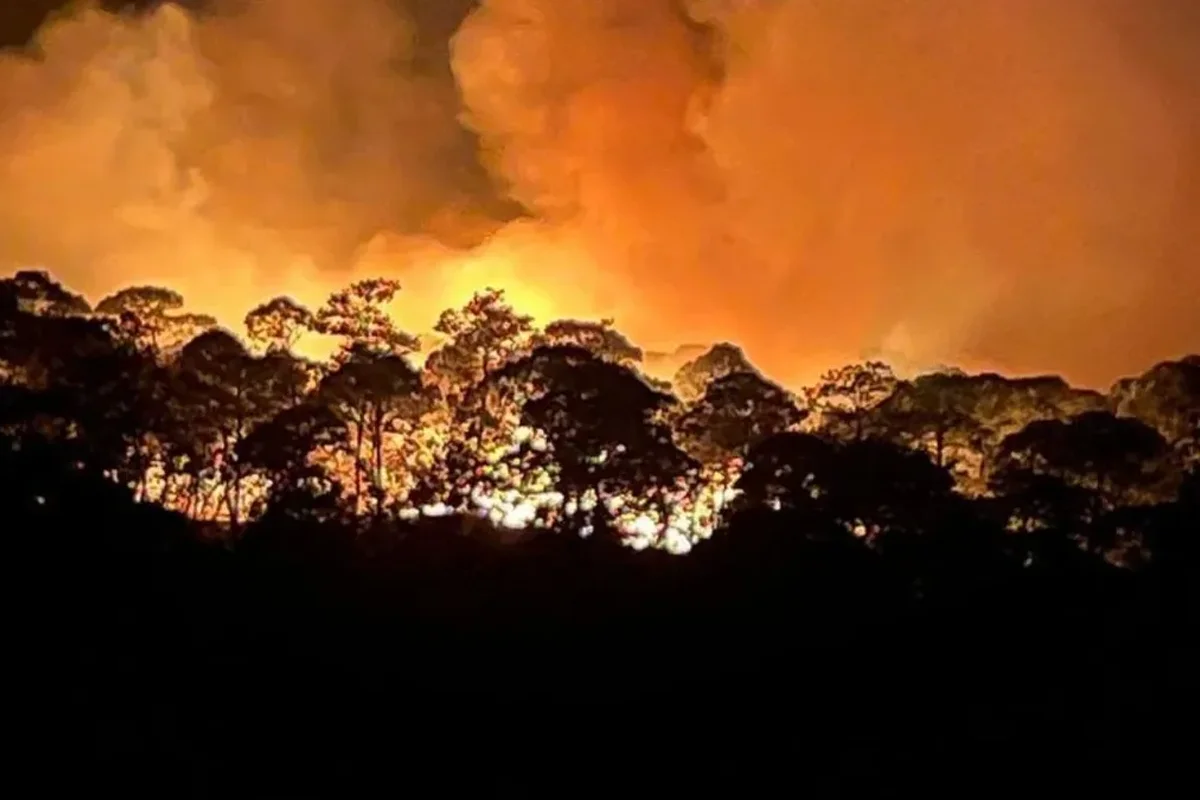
211	515
560	428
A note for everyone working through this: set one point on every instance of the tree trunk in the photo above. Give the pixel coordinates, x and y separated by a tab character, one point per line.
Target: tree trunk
239	432
377	436
233	491
358	450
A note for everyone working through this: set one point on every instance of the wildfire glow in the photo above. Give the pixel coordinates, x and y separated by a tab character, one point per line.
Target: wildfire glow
1011	186
506	489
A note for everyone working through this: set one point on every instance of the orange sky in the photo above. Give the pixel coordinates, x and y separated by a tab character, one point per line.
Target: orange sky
1008	184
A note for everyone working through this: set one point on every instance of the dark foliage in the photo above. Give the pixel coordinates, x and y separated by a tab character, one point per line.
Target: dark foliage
248	573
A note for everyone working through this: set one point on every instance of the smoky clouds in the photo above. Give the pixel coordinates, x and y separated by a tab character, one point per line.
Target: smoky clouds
1006	184
231	150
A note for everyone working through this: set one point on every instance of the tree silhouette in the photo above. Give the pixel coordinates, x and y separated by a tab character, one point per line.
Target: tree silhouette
220	509
204	426
1119	457
789	470
236	391
283	447
845	398
358	316
934	412
868	487
599	338
276	325
371	392
1065	478
1166	396
736	412
67	378
884	489
151	318
977	412
480	337
719	361
37	347
185	415
35	292
602	420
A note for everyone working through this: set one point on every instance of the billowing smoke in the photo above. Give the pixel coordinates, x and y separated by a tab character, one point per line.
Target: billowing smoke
254	148
1008	184
998	181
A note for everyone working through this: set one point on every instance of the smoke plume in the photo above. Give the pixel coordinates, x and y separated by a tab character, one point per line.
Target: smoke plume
1006	184
253	148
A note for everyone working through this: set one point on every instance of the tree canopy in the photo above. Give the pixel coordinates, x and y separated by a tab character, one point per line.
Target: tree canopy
558	428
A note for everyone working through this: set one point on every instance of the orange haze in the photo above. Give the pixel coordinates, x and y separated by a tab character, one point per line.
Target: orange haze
1009	184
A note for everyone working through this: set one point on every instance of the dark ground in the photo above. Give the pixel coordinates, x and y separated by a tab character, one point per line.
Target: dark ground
180	669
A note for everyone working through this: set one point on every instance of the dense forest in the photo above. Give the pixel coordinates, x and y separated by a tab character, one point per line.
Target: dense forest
226	541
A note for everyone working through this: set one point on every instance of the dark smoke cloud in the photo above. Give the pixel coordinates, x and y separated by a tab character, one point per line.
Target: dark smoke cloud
1006	183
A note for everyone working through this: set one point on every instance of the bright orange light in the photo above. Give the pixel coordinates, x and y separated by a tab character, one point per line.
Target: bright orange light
543	275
